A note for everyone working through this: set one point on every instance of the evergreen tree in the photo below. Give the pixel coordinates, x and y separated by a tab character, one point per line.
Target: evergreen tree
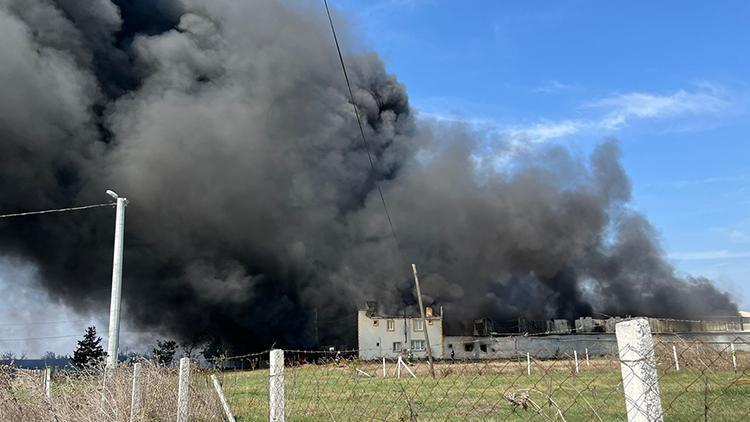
89	352
164	352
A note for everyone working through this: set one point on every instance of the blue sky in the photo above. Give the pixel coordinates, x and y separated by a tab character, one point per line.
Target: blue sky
670	80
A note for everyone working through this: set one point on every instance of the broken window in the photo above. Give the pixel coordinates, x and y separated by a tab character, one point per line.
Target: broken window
483	347
468	347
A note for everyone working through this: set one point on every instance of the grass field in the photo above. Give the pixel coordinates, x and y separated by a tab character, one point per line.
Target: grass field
706	388
477	392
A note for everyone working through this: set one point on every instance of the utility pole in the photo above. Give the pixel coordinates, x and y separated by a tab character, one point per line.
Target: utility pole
114	304
424	321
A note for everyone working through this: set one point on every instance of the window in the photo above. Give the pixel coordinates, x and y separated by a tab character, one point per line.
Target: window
390	325
417	345
375	323
418	325
468	347
483	347
396	346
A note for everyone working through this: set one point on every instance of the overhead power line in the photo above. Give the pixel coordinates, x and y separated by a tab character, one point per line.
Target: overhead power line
39	338
83	207
361	129
7	324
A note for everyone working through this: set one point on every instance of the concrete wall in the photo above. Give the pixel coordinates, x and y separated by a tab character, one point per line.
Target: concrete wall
555	346
375	341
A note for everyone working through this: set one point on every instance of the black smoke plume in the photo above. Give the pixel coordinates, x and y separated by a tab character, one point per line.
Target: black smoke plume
253	204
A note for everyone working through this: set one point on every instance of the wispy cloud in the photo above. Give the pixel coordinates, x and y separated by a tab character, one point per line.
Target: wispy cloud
608	114
544	131
553	86
709	255
707	181
622	108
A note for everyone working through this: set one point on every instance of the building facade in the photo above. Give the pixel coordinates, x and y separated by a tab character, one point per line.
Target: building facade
390	336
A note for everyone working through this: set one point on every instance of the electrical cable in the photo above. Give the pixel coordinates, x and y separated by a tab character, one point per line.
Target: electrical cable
83	207
362	131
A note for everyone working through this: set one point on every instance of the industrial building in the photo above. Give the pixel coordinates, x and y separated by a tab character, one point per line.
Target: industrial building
380	335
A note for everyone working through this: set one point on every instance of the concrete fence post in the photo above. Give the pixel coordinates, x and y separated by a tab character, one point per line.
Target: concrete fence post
276	386
638	366
135	394
587	357
734	357
575	356
183	391
676	362
47	382
222	399
528	363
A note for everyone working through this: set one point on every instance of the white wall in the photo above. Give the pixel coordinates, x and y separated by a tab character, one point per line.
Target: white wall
376	341
554	346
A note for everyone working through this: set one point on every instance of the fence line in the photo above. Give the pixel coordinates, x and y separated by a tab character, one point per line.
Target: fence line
713	382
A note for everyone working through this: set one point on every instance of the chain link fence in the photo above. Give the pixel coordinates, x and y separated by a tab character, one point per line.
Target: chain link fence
693	380
635	377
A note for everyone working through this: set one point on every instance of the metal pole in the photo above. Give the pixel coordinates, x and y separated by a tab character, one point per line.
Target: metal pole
424	321
114	304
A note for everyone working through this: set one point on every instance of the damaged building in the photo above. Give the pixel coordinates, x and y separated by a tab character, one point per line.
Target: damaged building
383	335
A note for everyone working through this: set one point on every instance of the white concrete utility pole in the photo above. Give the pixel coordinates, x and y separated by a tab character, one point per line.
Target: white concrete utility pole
114	304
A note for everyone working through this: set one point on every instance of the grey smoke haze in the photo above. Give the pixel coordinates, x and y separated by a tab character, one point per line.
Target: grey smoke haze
227	125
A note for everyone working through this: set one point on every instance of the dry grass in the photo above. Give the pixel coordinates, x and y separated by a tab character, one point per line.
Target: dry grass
96	395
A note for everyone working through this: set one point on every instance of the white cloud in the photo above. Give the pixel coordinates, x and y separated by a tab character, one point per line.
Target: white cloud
544	131
552	86
621	108
611	113
708	255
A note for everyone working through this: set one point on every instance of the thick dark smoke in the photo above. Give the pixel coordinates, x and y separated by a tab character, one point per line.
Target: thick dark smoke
227	125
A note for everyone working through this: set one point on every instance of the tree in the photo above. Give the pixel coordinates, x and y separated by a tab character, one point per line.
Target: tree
213	351
164	351
89	352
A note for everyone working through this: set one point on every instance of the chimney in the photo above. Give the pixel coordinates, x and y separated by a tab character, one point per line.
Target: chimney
428	312
372	308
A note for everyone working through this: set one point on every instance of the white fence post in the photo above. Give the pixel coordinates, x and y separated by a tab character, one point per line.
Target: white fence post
575	356
734	357
676	362
638	365
47	381
587	357
276	386
135	395
222	399
183	390
384	368
528	364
